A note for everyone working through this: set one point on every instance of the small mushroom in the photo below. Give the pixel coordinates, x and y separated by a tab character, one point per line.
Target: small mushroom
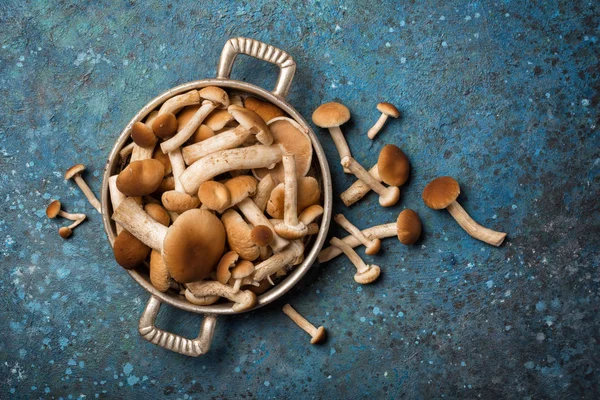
292	254
165	124
256	217
266	110
178	200
291	228
331	116
142	135
371	246
53	210
387	196
442	193
214	195
226	262
129	252
239	187
318	335
365	274
189	129
159	274
408	227
239	235
158	213
308	193
243	269
65	232
215	95
387	110
310	214
140	178
263	191
75	173
218	119
243	299
262	236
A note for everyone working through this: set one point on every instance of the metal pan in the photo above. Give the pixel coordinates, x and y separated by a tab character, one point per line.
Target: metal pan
233	47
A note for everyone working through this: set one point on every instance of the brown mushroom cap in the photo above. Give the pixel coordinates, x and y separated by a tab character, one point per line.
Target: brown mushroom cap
53	209
159	274
330	115
129	251
163	158
262	235
408	226
218	119
142	135
320	336
441	192
65	232
216	95
293	139
193	245
227	262
203	132
214	195
308	191
74	170
168	183
388	109
184	116
393	165
179	201
266	110
241	186
242	269
141	178
165	125
158	213
252	122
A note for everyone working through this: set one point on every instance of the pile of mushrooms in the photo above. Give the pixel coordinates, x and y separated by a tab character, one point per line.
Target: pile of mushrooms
215	197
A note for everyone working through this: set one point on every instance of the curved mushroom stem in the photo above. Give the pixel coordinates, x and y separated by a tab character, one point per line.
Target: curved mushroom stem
187	132
279	260
178	168
225	140
77	221
243	299
256	217
379	231
310	214
351	254
340	144
200	300
176	103
134	219
377	127
116	196
291	227
88	192
125	151
387	196
263	191
372	246
473	228
314	332
359	189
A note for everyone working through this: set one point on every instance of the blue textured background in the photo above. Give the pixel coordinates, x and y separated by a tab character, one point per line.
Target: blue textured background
503	96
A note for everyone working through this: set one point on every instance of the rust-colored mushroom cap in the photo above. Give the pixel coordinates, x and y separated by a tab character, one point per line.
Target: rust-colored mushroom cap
65	232
142	135
53	209
320	336
252	122
165	125
242	269
74	170
203	132
309	193
264	109
141	178
408	226
179	201
163	158
158	213
129	251
227	262
216	95
193	245
393	165
441	192
214	195
388	109
218	119
330	115
262	235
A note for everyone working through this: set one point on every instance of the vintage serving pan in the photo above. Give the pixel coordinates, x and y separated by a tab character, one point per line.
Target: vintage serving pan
233	47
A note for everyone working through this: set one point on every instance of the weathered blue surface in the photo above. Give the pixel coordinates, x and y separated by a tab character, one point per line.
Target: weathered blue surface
503	96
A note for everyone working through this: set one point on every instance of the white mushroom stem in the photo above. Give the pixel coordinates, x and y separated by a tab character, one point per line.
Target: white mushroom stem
256	217
263	192
310	214
291	227
132	217
176	103
200	300
300	320
257	156
473	228
125	151
88	192
178	168
226	140
189	129
342	221
243	299
77	222
116	197
359	189
72	217
379	231
340	144
377	127
386	194
351	254
279	260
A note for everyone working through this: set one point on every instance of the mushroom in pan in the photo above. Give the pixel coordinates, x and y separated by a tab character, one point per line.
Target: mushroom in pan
239	235
266	110
129	251
318	335
263	191
262	236
442	193
243	299
256	217
331	116
214	195
75	173
239	187
159	273
292	254
308	193
165	124
387	110
291	228
365	273
140	178
178	200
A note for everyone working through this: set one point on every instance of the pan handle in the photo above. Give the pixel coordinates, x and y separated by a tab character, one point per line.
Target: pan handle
262	51
171	341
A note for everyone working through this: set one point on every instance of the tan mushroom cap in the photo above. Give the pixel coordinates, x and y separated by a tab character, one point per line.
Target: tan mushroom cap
252	122
388	109
238	235
142	135
129	252
141	178
393	165
203	132
158	213
408	226
216	95
262	235
179	201
242	269
227	262
319	336
441	192
218	119
159	274
168	183
65	232
163	158
330	115
293	139
214	195
241	186
53	209
369	276
193	245
266	110
184	116
165	125
308	191
74	170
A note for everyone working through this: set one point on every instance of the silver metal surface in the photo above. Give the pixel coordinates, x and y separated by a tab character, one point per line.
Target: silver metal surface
251	47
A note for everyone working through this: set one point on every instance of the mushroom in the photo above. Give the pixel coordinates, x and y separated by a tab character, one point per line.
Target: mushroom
407	228
142	135
365	274
442	193
53	210
308	192
262	236
232	268
202	133
165	124
266	110
227	261
158	213
263	191
318	335
191	246
239	187
291	228
387	110
310	214
243	299
359	189
238	235
140	178
75	173
256	217
214	195
387	196
200	300
243	269
168	183
65	232
292	254
178	200
372	246
159	274
129	252
331	116
218	119
252	122
189	129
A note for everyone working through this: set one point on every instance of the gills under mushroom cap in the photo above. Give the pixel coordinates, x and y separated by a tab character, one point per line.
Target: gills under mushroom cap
308	191
441	192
